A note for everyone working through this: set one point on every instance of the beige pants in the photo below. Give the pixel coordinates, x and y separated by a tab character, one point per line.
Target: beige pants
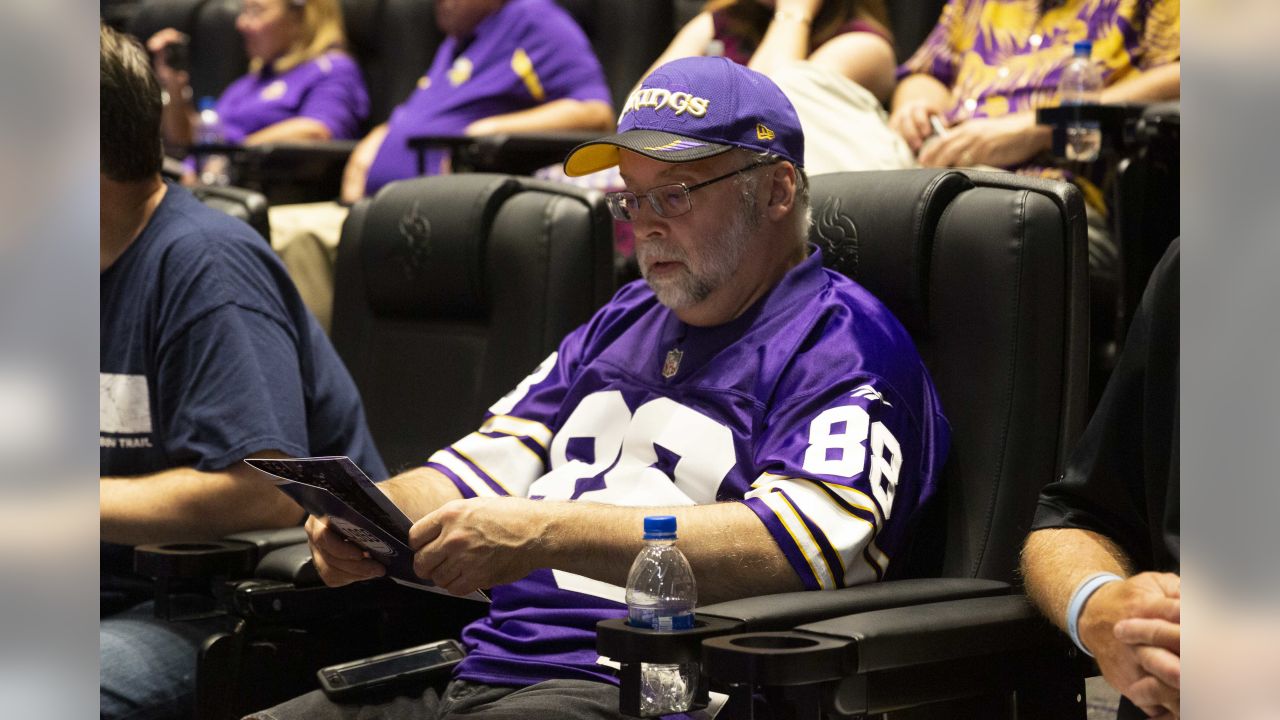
305	236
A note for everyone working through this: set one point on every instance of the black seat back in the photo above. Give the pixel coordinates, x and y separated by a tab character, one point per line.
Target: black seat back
627	37
216	53
987	272
450	290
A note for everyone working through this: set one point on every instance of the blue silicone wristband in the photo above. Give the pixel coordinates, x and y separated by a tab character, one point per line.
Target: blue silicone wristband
1084	590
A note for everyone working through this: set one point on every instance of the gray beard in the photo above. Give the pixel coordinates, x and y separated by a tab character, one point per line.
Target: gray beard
721	254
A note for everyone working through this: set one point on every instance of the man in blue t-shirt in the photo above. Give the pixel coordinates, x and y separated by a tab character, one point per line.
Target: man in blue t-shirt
776	408
207	357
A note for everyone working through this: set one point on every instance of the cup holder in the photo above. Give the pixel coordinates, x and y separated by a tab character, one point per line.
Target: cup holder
773	642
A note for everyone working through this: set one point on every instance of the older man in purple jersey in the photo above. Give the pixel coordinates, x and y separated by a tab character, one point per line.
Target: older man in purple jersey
776	408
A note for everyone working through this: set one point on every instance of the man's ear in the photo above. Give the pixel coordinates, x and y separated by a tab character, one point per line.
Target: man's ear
782	191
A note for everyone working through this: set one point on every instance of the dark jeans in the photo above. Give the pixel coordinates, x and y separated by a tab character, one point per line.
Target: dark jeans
569	699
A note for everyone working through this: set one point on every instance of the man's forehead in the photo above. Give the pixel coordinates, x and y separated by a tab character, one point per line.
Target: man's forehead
665	170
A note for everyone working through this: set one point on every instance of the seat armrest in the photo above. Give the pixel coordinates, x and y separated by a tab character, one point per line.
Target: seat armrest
291	564
939	632
267	540
786	610
885	660
512	153
783	611
287	172
631	646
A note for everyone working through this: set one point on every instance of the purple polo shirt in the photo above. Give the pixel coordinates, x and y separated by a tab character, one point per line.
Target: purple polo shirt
528	53
812	408
328	88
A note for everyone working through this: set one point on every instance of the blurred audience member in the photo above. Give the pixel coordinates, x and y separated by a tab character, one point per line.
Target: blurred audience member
1116	512
207	357
968	96
302	85
834	59
506	66
850	37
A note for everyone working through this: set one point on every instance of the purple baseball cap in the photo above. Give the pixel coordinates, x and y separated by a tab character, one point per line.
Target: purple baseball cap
695	108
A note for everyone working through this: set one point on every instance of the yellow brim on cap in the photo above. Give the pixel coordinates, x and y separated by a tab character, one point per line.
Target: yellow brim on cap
589	158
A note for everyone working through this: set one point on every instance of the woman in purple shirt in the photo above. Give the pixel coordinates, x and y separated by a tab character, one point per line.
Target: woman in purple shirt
301	85
850	37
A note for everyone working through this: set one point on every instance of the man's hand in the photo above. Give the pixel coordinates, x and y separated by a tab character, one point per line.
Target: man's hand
477	543
1000	141
1132	628
338	561
356	173
171	79
911	120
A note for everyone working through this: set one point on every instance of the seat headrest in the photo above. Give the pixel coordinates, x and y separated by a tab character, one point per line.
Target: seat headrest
423	245
877	228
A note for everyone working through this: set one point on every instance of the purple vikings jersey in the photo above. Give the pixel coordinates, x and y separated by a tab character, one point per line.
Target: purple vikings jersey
528	53
328	89
813	408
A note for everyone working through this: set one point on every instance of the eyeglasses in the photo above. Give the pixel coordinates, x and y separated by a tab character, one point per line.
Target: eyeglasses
667	201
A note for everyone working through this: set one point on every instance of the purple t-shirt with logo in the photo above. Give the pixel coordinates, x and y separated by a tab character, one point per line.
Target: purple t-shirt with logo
328	88
528	53
812	408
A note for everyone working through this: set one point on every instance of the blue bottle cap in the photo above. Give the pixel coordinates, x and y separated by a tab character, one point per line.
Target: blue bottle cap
207	103
660	527
1083	48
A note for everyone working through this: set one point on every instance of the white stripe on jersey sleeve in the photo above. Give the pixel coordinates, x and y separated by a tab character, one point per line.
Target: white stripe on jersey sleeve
859	499
518	427
506	460
464	473
844	531
800	534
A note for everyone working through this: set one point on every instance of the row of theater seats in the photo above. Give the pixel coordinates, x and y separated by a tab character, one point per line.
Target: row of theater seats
986	271
394	40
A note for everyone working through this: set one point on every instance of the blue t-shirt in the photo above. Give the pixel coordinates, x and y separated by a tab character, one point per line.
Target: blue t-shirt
208	354
812	408
528	53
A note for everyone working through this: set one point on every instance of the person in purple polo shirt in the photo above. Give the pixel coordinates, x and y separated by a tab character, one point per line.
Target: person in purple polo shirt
301	84
506	66
775	407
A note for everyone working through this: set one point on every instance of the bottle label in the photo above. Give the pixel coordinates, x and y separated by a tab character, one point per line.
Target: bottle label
653	619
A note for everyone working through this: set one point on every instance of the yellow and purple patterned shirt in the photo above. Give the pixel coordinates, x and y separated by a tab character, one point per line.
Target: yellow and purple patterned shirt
1004	56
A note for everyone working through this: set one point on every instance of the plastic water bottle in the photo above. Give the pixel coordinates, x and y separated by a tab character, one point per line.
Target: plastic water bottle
1081	84
214	167
661	595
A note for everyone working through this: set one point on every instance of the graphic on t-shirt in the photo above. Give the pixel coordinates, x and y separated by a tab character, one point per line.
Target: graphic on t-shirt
124	411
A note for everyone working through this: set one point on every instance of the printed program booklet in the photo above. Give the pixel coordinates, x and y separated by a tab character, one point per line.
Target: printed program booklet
336	489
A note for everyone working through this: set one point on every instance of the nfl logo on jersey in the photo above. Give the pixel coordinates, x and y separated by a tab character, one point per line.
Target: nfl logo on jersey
672	364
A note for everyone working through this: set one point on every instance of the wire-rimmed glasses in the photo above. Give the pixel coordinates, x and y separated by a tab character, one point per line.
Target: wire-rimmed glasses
667	201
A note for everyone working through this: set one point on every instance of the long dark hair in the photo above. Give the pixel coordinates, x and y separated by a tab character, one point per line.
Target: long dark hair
749	19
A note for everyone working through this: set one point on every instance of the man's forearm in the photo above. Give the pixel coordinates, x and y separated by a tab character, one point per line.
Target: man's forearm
419	491
731	552
1054	562
563	114
187	504
1161	83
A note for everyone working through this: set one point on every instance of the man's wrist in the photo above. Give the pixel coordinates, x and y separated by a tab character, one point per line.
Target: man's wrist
1079	598
795	16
